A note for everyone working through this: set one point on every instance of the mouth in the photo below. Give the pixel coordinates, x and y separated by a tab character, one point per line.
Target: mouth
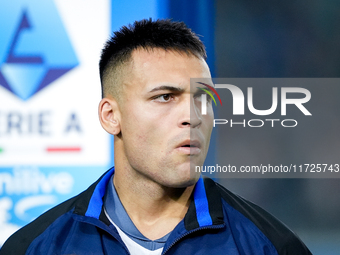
189	147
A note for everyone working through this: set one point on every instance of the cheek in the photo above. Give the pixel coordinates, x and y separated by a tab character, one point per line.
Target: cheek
140	126
145	140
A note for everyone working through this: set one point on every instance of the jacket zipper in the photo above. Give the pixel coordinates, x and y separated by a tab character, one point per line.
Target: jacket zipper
119	241
171	245
190	232
111	234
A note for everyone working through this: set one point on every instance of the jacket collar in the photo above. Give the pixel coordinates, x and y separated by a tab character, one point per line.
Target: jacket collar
97	200
205	208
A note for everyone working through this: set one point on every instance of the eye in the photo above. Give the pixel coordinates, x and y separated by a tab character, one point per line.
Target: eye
163	98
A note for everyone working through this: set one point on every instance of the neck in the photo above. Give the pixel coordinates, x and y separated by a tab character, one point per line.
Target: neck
154	198
154	209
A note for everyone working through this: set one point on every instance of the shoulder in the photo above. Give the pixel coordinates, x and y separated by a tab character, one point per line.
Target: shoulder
283	239
62	214
57	220
26	235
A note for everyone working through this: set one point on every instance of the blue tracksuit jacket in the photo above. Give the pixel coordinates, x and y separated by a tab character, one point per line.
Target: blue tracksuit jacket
217	222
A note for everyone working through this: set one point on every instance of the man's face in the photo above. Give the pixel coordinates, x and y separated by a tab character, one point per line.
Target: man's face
163	132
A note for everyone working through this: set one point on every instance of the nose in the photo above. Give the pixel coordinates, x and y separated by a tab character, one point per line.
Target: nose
191	114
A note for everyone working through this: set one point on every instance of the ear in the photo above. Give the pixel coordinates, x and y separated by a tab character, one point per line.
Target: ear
109	115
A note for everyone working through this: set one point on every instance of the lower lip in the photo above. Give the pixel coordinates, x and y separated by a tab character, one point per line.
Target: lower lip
189	150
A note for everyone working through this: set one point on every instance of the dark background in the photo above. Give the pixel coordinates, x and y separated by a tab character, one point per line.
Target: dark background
280	39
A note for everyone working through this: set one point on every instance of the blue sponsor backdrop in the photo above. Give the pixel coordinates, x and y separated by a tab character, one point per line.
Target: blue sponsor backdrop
35	52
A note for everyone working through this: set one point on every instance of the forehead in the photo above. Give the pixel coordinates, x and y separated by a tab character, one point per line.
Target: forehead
155	66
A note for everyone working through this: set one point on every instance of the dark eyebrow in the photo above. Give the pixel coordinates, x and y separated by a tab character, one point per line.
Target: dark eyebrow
170	88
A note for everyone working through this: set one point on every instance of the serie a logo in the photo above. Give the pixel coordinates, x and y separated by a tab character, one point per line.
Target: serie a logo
35	49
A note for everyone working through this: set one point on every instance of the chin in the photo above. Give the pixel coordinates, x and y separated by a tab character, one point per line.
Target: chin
184	182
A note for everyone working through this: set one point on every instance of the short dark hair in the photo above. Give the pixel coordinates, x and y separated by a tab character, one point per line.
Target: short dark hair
147	34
